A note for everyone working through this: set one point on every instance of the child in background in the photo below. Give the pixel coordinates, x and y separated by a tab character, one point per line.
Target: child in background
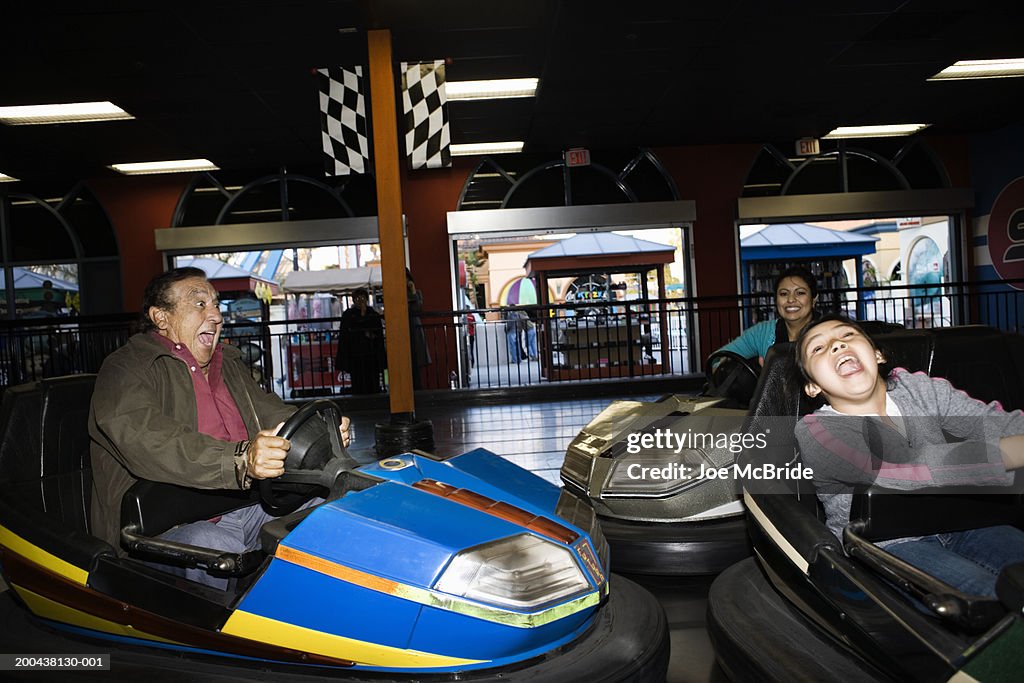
892	431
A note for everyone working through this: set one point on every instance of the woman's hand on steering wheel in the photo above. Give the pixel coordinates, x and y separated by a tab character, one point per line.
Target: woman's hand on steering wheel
344	427
747	364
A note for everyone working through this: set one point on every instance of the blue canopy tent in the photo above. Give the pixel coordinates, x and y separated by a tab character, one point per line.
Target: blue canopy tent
29	290
773	248
28	281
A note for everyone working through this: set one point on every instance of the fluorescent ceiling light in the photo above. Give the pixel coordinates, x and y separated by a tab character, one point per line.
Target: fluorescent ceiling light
4	178
75	112
175	166
981	68
487	148
490	90
884	131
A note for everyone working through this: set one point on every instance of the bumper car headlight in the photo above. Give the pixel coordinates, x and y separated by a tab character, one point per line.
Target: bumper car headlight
655	476
521	572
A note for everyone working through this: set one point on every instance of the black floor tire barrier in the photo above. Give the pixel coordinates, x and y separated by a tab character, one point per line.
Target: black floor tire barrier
676	548
759	636
392	438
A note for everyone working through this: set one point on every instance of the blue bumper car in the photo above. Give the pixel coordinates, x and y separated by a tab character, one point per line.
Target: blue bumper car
416	567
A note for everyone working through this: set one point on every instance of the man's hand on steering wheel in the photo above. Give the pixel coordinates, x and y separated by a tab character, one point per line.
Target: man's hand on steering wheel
267	453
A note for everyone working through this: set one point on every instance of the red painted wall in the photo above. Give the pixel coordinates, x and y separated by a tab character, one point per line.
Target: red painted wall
713	177
427	197
136	207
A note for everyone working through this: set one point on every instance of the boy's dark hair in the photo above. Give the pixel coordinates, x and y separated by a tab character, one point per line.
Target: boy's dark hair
800	272
841	318
158	293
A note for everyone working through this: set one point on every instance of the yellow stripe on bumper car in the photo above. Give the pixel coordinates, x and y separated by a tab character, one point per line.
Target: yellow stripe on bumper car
256	627
55	611
33	553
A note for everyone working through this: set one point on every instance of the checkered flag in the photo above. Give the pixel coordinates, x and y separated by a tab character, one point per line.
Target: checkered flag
343	121
427	137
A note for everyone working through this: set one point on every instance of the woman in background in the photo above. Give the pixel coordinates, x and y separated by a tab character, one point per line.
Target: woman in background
796	296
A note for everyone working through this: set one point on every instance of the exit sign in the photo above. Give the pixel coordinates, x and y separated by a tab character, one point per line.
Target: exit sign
806	147
577	157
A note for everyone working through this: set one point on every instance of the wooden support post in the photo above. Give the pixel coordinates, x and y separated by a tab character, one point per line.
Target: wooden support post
389	218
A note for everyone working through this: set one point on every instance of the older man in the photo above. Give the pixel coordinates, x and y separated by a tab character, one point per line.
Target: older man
175	405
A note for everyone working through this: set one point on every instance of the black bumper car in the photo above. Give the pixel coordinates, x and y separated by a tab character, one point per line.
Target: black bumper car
814	608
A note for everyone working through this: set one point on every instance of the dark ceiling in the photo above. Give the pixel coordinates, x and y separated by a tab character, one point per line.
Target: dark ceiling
232	81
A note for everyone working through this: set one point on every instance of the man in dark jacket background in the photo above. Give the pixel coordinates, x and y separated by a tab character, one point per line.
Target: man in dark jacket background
174	405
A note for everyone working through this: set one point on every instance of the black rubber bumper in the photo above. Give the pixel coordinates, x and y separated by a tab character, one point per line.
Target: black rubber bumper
627	642
759	636
676	548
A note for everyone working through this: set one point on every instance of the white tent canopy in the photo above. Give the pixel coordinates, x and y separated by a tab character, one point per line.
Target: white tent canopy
333	280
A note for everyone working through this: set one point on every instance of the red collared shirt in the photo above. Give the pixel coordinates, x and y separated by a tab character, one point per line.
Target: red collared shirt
217	413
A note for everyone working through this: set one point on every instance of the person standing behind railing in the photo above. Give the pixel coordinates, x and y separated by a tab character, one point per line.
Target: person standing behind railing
361	347
511	319
531	335
417	337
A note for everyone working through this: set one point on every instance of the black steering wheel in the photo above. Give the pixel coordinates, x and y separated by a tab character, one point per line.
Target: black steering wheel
732	376
315	460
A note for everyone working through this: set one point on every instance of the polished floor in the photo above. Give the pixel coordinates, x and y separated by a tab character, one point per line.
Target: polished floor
533	436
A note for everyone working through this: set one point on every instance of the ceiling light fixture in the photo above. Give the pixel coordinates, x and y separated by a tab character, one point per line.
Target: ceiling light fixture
74	112
491	90
4	178
883	131
981	68
472	148
174	166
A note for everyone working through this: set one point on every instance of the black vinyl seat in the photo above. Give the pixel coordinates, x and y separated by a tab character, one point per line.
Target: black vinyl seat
45	471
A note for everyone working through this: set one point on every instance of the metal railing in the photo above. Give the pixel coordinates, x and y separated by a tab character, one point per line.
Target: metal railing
491	348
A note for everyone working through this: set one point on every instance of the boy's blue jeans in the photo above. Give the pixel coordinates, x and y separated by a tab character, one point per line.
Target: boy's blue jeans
967	560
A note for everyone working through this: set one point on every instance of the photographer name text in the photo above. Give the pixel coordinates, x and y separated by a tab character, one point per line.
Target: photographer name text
678	471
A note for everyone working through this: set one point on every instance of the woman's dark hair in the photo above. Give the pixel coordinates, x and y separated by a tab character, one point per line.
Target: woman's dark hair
158	293
846	320
803	274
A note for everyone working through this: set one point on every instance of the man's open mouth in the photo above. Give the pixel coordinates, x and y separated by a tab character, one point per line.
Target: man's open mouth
207	338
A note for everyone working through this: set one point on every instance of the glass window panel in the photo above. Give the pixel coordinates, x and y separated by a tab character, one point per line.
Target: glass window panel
590	186
203	203
544	188
36	233
309	201
90	223
45	290
258	204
